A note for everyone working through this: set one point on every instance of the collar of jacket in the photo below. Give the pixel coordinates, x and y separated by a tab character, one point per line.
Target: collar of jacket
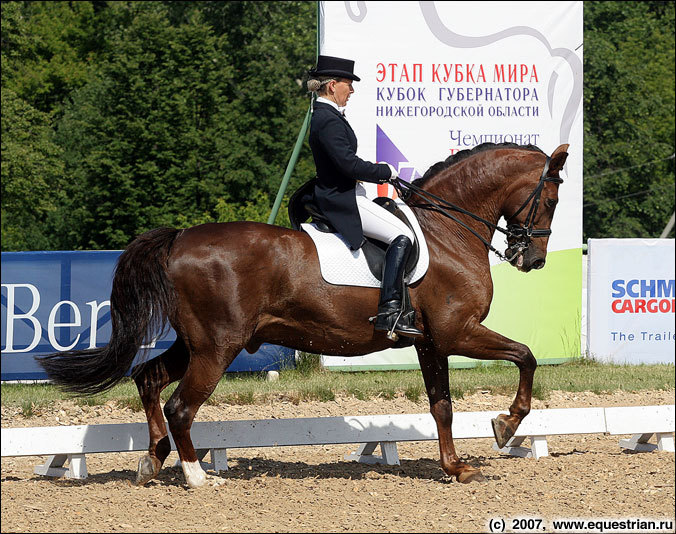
322	100
330	106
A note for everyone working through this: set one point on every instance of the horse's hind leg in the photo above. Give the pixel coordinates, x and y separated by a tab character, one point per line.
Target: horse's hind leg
151	378
201	378
434	367
484	344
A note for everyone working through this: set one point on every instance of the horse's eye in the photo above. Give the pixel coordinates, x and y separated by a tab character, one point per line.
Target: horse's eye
551	202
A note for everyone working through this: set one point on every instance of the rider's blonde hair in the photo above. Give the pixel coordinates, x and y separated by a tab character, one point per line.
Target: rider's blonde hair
318	85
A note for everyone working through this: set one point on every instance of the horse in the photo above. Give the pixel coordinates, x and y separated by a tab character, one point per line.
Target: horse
225	287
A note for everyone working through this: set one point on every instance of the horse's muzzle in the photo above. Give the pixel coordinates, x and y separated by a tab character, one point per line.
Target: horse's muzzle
538	264
525	261
531	261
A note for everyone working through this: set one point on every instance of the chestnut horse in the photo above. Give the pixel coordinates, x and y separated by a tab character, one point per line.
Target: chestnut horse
232	286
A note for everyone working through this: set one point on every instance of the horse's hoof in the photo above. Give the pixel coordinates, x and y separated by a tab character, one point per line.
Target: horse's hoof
148	468
502	430
471	476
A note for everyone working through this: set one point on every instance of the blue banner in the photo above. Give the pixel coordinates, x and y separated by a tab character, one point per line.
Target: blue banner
58	301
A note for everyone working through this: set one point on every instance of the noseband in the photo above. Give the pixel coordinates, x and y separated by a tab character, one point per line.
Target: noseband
522	234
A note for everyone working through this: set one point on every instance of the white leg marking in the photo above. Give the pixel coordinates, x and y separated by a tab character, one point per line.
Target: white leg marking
194	474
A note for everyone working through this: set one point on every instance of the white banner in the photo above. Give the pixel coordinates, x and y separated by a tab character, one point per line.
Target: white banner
630	314
440	77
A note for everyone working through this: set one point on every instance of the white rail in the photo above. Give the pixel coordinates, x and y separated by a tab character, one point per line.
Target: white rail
70	444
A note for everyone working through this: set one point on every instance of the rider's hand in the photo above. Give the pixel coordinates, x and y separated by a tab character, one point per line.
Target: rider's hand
393	174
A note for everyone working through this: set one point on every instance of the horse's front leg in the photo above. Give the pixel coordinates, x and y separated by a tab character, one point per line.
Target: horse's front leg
434	368
151	378
484	344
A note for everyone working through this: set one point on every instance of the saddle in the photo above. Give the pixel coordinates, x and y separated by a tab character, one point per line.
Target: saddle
302	207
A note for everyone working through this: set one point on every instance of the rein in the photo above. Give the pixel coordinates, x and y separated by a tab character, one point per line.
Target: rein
522	233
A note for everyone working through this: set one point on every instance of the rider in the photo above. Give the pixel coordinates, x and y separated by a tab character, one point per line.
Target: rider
341	197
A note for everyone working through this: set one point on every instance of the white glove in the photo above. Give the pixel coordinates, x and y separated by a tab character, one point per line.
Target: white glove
393	172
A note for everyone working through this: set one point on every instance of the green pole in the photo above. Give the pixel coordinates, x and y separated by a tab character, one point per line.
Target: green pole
296	149
289	167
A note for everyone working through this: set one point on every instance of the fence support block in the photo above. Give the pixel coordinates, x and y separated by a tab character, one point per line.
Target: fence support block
364	454
639	442
54	466
538	447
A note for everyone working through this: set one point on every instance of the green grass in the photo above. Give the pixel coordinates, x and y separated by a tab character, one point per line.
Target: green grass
309	381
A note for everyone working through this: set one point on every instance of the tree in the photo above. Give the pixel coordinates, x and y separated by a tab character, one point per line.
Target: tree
32	172
47	48
141	139
628	118
181	120
165	113
118	117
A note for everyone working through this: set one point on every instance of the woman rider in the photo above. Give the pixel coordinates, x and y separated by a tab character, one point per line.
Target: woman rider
342	199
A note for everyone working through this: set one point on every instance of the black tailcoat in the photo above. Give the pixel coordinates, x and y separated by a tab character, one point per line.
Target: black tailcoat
334	148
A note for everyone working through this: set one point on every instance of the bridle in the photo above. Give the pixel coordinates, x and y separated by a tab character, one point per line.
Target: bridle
522	234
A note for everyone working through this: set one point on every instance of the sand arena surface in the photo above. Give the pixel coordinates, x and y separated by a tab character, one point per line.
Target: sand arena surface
312	489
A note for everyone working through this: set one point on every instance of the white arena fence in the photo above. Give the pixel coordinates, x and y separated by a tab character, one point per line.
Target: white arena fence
66	447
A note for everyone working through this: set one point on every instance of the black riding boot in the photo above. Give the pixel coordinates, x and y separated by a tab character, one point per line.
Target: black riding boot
392	317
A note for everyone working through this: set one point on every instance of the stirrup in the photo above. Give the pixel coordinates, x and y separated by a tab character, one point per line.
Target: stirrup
391	334
407	330
396	322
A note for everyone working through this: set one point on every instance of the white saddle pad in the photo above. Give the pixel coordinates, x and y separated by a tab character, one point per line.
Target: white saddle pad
345	267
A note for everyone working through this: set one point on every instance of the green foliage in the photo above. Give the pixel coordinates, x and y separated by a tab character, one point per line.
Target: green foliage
319	393
32	171
414	392
119	117
164	113
246	397
27	409
47	48
257	209
141	138
628	118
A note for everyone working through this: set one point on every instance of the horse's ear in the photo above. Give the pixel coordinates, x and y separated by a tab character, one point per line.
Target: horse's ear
558	160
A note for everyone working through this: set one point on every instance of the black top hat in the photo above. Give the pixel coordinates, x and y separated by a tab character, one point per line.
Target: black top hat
334	66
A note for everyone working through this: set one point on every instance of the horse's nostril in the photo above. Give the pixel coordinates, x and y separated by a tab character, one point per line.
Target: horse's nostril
538	264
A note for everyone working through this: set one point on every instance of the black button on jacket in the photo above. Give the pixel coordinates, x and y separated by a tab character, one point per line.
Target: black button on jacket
334	148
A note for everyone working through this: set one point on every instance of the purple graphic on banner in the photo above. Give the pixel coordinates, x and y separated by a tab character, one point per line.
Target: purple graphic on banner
387	151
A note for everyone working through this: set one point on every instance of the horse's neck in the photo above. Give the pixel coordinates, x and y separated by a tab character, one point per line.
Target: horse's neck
480	193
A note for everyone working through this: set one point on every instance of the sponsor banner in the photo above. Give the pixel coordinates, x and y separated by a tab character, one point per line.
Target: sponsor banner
58	301
441	77
630	300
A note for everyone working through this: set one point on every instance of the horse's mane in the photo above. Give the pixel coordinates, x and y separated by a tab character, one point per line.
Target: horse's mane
464	154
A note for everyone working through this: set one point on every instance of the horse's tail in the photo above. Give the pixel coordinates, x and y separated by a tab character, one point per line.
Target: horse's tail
142	298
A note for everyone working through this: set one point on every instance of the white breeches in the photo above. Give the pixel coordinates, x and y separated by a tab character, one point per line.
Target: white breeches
378	223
